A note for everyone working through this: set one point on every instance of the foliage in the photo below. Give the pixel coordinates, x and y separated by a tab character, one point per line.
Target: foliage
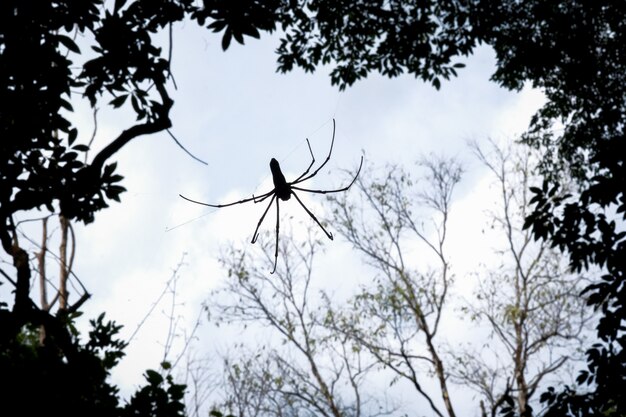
44	167
574	51
161	397
39	379
422	38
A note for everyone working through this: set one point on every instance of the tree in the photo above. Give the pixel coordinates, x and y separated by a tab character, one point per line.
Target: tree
45	167
314	372
574	52
398	320
422	38
70	377
530	301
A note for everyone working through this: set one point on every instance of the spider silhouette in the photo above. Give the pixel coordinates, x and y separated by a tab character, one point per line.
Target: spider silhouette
283	190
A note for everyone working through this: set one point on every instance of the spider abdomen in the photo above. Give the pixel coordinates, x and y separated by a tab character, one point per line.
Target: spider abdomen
283	190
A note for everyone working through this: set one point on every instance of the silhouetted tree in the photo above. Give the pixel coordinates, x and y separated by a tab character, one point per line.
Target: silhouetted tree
574	51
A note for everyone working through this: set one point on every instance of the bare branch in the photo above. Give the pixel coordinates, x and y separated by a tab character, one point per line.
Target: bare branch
180	145
406	303
321	362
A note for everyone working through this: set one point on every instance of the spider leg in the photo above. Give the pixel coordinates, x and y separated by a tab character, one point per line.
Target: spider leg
332	191
277	229
263	197
330	235
245	200
255	235
310	165
302	177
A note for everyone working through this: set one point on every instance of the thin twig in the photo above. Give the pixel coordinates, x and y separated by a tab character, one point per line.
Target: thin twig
8	277
169	56
158	300
95	130
58	259
36	219
184	149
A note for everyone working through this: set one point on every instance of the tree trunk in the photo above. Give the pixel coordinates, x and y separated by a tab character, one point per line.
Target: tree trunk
64	268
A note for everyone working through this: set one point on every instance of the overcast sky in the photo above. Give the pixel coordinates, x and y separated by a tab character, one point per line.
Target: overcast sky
235	112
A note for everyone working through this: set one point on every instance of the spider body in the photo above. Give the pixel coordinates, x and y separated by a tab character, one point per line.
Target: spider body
283	190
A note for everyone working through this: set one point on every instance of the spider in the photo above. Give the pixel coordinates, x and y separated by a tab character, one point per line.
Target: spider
283	190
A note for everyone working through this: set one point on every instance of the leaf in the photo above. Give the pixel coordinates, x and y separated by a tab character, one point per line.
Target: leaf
119	4
81	148
66	105
113	192
135	102
119	100
72	135
68	43
153	377
238	37
251	31
108	169
226	39
217	25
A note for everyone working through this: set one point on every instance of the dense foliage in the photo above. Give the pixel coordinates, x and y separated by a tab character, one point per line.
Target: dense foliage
71	379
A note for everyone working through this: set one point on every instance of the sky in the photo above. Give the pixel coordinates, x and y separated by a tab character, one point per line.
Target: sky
234	111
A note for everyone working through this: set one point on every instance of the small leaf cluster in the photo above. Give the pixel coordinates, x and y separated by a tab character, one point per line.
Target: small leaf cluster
240	18
160	397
